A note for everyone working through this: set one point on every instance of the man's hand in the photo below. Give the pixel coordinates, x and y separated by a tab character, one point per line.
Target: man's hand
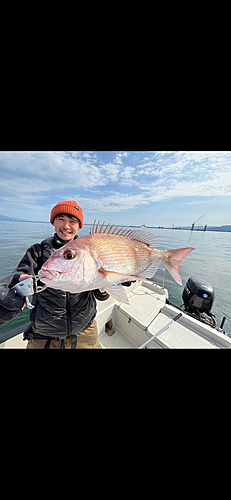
25	277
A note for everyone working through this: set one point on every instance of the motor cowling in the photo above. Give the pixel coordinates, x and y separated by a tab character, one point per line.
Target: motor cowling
198	295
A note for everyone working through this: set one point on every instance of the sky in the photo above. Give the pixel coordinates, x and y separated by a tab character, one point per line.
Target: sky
156	188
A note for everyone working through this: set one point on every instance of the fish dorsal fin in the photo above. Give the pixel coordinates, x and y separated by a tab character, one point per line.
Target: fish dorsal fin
147	238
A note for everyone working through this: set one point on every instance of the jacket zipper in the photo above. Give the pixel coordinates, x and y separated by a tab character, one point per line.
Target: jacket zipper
69	329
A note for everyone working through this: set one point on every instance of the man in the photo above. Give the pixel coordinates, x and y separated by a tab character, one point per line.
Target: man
59	319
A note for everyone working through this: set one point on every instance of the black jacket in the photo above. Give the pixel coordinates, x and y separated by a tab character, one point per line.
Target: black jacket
56	314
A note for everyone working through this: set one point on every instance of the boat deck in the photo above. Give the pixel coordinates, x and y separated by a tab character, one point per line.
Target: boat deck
117	341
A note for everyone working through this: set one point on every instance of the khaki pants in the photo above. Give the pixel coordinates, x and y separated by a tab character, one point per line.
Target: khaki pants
87	339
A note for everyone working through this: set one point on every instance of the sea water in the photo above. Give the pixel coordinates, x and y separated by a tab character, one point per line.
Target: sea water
211	260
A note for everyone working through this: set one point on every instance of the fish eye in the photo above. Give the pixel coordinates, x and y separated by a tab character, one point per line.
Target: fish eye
69	254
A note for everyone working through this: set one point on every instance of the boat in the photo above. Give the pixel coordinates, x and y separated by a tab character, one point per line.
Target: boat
150	321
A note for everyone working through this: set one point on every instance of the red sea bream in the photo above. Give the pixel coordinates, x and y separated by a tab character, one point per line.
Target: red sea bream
106	258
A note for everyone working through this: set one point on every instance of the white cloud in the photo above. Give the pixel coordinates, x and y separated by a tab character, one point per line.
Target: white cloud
115	202
119	157
109	172
125	181
127	173
33	172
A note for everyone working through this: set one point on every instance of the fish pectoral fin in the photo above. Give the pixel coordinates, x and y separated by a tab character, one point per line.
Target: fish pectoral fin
117	291
113	278
112	284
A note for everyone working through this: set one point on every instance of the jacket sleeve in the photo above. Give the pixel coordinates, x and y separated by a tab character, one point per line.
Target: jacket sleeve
30	263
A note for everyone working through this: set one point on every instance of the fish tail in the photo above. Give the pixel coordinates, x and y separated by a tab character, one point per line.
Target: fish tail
172	259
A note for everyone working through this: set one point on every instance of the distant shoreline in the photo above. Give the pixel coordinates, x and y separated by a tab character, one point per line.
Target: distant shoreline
138	227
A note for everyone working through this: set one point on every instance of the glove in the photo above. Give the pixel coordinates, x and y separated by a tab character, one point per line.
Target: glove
11	304
101	295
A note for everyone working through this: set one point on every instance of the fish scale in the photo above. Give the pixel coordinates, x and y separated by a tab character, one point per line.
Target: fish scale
117	257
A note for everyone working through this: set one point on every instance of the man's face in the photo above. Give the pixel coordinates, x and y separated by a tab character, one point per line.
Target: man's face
66	227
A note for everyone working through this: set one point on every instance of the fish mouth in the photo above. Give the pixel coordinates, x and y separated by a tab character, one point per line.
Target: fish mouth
49	275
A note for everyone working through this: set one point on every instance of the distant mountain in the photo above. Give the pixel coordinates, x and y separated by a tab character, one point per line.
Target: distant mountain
219	228
209	228
3	217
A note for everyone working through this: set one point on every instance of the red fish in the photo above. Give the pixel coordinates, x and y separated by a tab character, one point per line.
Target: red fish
106	258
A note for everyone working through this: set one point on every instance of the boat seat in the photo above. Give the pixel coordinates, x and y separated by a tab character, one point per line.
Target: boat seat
145	304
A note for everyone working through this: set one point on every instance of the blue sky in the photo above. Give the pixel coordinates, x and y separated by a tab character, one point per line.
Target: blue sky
158	188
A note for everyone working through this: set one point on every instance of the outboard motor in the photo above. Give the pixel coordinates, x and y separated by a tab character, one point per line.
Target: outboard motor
198	296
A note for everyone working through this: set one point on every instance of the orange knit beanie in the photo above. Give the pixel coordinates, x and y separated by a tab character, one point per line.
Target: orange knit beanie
69	207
